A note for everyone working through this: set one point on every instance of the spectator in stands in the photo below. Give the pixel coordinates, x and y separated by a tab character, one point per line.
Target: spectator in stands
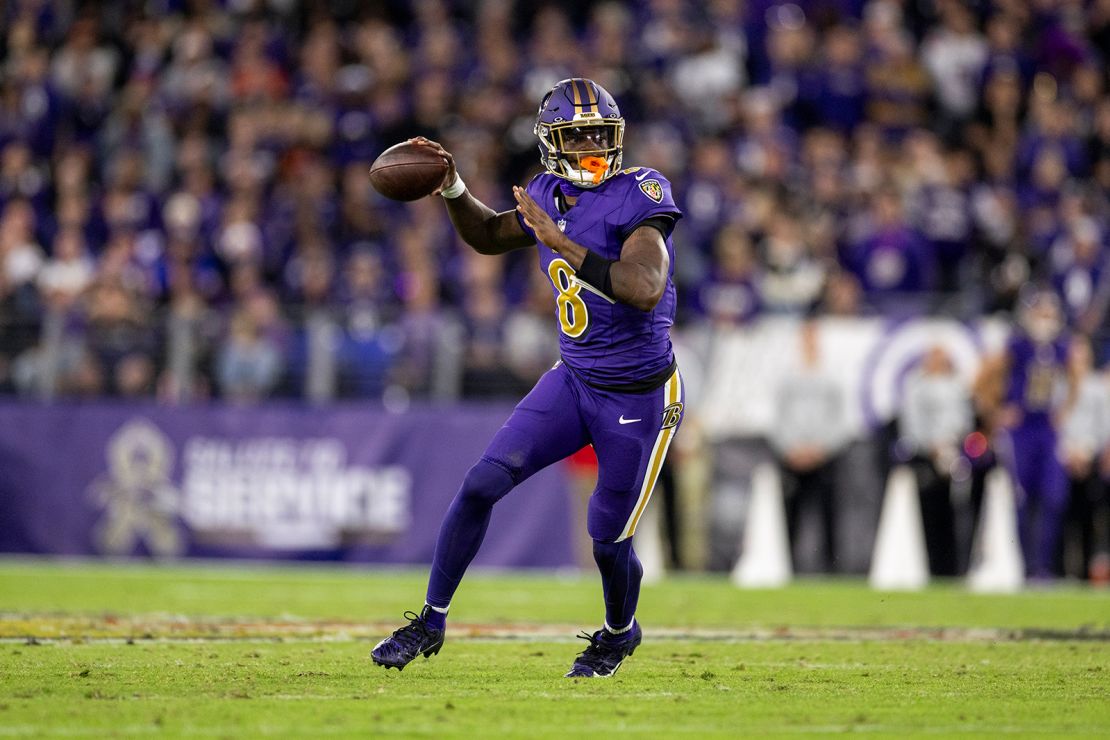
731	295
248	366
360	221
20	318
20	178
83	63
768	145
1098	144
192	330
707	196
370	341
934	418
1005	52
942	213
120	338
430	359
897	85
68	272
954	54
793	279
835	93
30	107
999	117
893	263
20	255
484	367
807	437
1080	275
530	348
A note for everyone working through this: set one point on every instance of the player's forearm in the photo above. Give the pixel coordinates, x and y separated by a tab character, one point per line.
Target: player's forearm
484	229
637	285
634	283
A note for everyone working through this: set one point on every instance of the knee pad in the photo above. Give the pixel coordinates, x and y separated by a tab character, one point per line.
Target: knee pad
485	483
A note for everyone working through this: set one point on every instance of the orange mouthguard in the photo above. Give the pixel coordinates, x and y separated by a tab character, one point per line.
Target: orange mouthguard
596	165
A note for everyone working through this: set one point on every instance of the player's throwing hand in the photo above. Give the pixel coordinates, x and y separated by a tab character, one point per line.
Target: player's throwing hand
452	173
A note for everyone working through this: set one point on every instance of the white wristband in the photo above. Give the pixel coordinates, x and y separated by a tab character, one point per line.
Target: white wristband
455	189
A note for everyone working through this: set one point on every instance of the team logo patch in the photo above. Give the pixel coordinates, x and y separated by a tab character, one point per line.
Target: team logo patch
653	190
672	415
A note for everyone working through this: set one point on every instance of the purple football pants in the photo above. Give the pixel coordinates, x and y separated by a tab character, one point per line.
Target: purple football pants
1041	495
630	432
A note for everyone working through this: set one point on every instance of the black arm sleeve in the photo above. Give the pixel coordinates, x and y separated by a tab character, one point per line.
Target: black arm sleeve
661	222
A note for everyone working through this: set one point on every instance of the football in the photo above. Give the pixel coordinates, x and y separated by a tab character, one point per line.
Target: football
407	171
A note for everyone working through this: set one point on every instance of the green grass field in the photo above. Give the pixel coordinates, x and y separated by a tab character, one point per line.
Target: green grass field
94	649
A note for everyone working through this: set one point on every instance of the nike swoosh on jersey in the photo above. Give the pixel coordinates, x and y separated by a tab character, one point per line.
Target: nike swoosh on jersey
641	177
623	420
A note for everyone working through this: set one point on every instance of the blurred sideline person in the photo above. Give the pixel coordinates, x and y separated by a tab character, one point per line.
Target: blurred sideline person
935	417
1084	434
603	237
1030	373
807	436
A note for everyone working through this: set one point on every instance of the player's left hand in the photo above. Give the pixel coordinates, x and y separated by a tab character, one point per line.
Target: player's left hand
537	219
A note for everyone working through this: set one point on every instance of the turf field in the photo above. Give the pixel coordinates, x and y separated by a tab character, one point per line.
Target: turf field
246	651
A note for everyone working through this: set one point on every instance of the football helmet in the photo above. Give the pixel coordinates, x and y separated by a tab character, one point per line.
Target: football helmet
581	132
1040	313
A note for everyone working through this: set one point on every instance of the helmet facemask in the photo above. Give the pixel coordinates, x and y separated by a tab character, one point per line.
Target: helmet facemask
1042	318
584	152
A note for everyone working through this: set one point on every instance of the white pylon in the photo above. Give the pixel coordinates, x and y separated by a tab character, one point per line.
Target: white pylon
649	542
765	559
899	561
997	563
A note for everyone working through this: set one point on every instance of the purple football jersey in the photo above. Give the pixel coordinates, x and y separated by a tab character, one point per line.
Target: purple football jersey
608	343
1036	371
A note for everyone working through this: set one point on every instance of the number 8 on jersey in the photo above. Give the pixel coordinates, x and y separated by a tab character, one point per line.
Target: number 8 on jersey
574	317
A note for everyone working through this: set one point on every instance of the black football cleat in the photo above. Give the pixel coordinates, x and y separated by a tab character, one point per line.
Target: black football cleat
606	653
402	647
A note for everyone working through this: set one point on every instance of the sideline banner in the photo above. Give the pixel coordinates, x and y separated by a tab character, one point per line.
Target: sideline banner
869	358
277	481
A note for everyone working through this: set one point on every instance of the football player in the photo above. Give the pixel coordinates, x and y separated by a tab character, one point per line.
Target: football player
603	234
1031	373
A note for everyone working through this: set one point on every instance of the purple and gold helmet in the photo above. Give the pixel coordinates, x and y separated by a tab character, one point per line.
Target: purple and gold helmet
1040	313
581	131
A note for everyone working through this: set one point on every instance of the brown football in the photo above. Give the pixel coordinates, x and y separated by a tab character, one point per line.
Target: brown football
407	171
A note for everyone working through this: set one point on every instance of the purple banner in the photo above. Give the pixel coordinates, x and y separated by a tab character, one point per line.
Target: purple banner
343	483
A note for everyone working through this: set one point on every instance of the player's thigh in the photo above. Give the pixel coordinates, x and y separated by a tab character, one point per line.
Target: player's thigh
1054	483
632	434
1023	458
545	427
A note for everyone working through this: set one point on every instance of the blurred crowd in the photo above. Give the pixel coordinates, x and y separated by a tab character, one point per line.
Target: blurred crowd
185	211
